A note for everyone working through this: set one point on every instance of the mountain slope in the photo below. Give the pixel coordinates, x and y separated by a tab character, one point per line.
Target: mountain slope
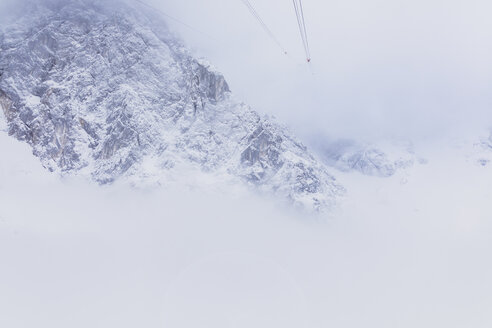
381	160
112	93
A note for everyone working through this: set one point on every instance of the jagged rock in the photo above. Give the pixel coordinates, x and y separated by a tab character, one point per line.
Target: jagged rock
347	155
101	90
483	150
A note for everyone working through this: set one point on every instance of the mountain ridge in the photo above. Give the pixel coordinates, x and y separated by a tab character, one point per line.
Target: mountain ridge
101	91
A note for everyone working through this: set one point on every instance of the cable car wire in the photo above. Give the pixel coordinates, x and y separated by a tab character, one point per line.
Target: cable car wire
263	25
176	20
302	27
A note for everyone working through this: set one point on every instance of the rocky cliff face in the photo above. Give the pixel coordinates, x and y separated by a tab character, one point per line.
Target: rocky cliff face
104	90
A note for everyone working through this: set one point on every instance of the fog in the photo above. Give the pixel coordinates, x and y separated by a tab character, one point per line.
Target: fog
413	69
74	254
410	251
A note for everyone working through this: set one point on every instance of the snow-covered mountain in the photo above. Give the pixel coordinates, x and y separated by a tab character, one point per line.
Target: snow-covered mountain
483	150
381	159
107	91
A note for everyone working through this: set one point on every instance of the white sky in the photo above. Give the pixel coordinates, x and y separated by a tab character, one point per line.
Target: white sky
381	67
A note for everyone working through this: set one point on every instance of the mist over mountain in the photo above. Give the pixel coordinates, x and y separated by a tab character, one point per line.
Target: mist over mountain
141	186
107	91
409	250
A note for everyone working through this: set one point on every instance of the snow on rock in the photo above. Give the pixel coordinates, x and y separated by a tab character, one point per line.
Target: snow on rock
368	159
482	150
111	93
5	105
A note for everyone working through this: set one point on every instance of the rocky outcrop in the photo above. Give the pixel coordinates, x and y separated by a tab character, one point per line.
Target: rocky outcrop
6	104
347	155
97	90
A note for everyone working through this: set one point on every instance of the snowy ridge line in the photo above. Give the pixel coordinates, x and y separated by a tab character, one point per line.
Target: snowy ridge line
113	94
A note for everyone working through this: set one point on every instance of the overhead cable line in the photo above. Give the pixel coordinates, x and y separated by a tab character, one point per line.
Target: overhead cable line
302	27
263	25
176	20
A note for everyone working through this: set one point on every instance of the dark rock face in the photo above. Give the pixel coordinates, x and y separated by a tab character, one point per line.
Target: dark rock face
101	91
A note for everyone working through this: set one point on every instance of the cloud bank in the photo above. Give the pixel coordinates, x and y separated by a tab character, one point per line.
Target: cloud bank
74	254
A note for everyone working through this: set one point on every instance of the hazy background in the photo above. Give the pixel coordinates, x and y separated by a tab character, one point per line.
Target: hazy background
380	68
413	69
408	251
73	254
